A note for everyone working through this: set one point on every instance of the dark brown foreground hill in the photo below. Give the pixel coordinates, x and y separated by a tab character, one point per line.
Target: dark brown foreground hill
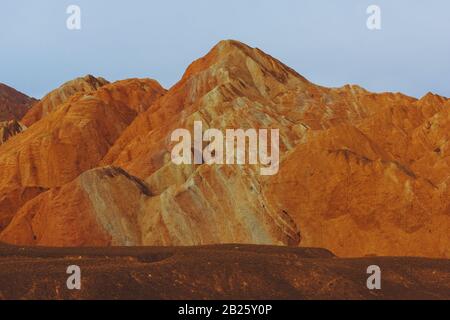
215	272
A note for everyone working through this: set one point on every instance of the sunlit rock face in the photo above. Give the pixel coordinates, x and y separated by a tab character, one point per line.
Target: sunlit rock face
360	174
68	141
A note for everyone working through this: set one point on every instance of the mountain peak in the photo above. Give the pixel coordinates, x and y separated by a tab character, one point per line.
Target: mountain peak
57	97
230	45
233	55
432	97
81	82
431	103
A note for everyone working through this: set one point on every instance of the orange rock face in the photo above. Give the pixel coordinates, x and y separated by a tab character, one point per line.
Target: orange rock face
13	104
73	215
68	141
57	97
360	174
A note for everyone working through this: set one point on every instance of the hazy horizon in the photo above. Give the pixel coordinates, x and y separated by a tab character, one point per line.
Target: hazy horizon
328	43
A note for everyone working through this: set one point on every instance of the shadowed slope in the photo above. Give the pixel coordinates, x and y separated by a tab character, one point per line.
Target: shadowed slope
13	104
9	129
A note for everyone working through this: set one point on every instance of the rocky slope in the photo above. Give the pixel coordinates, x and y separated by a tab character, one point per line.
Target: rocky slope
360	174
68	141
13	104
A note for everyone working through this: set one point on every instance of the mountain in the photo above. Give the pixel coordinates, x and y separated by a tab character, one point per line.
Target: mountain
9	129
13	104
360	173
68	141
57	97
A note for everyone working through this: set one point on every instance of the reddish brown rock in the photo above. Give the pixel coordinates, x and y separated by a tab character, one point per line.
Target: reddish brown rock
13	104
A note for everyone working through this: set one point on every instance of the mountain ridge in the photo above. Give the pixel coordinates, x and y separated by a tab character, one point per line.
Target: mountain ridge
361	173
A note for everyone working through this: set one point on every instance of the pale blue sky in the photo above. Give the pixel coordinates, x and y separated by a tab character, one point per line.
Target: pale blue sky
327	41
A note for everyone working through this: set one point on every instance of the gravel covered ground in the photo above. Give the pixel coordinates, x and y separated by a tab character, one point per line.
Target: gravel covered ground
215	272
